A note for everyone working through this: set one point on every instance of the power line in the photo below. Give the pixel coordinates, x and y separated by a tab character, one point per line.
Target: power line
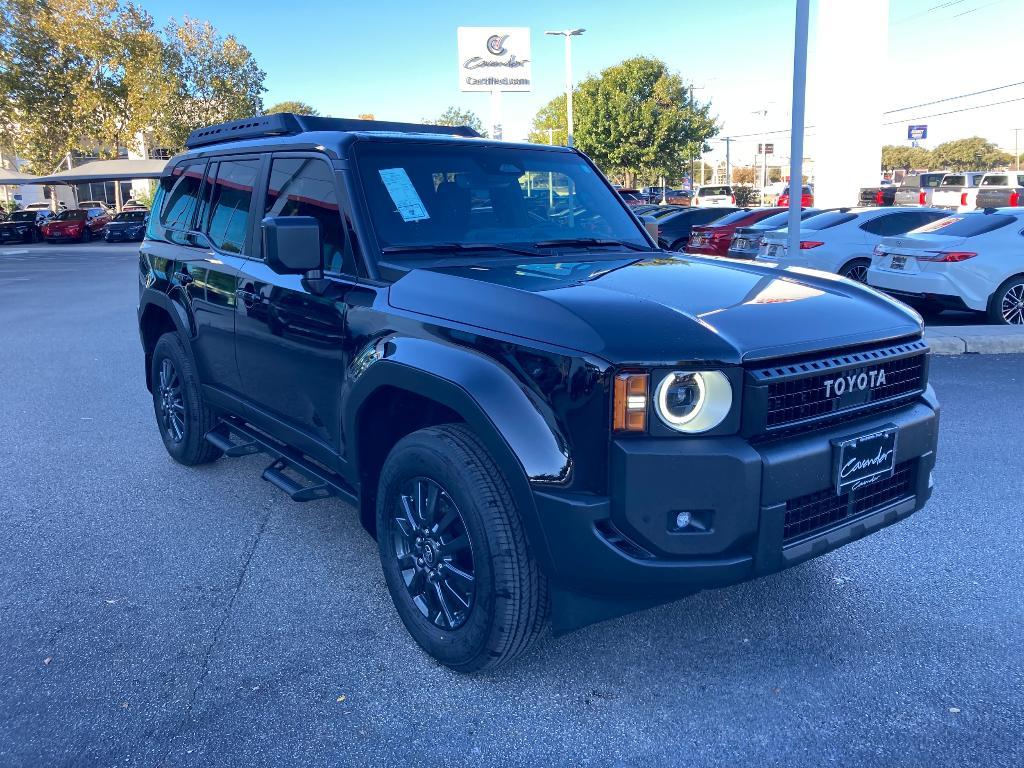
952	98
977	9
954	111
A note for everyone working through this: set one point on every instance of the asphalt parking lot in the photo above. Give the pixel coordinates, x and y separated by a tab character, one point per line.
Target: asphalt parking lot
152	614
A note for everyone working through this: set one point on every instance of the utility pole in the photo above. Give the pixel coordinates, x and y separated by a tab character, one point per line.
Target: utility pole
568	34
796	140
1016	151
728	163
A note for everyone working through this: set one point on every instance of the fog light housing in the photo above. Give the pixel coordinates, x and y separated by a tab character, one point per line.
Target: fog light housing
682	520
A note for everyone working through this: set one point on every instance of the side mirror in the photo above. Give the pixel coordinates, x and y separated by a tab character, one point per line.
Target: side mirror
651	225
291	244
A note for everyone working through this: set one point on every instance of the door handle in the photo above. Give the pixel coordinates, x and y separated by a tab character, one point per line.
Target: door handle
183	278
248	297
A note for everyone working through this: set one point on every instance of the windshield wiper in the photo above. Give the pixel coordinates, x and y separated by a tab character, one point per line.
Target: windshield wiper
590	241
456	247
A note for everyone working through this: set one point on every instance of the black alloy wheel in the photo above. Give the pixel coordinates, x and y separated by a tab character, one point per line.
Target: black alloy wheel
434	553
171	401
857	270
1007	304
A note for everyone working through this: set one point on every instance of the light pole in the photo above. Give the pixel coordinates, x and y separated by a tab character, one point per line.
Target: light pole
1016	151
796	140
568	34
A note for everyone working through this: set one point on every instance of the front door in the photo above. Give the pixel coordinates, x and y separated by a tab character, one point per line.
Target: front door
291	343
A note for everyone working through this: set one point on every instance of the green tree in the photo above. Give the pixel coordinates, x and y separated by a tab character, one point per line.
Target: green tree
217	79
970	154
745	175
896	156
453	116
298	107
638	119
550	124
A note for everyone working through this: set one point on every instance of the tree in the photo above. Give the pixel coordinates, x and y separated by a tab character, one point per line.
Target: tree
366	116
638	119
971	154
453	116
298	107
745	175
217	79
896	156
550	125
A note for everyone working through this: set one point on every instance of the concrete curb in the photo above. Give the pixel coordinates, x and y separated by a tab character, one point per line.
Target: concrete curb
975	339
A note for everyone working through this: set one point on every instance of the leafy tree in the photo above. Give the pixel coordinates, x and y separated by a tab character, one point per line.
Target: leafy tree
366	116
217	79
745	175
970	154
550	125
298	107
454	116
639	119
896	156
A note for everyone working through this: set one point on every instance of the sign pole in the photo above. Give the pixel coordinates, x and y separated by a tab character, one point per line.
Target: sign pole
796	145
496	115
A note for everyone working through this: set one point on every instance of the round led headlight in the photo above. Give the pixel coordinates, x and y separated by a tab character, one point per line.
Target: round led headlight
693	401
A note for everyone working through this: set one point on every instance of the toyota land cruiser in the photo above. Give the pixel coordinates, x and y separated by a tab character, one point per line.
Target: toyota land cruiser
538	414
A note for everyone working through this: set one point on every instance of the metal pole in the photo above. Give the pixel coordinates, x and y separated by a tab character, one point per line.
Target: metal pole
568	89
796	141
1016	151
728	164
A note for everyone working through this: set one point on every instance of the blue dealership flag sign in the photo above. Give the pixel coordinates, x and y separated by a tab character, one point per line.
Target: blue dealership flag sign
917	132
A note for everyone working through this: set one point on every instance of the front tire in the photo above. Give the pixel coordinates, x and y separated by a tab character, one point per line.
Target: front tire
182	414
454	553
1006	307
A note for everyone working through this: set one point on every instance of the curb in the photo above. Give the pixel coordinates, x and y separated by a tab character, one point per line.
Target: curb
980	340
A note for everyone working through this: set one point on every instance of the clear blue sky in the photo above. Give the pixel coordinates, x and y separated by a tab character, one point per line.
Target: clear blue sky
397	59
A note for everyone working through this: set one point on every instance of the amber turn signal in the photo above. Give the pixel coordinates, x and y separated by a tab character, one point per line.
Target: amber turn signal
630	402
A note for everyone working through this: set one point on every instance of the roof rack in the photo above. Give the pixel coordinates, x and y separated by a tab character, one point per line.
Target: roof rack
289	124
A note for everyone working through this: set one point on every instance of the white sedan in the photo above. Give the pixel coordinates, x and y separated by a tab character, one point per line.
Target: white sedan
966	261
843	240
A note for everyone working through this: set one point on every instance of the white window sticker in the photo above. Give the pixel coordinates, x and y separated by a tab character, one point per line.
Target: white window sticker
404	195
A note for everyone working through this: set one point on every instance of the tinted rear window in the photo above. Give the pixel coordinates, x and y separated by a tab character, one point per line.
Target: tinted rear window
931	179
995	181
782	219
709	191
966	225
827	220
953	181
130	216
733	217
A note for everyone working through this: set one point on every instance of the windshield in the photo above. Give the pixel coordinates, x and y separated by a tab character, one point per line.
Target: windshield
24	216
828	220
427	194
130	216
967	225
713	191
778	220
75	214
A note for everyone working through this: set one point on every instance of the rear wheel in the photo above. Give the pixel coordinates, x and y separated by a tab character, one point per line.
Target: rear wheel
182	414
1006	307
856	270
453	551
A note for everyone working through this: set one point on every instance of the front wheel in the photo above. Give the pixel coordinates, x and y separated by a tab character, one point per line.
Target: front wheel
1006	307
857	270
182	414
453	551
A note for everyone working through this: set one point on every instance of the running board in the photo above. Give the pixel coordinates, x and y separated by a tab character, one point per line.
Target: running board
319	481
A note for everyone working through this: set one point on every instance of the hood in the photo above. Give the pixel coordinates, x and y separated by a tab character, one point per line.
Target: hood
662	310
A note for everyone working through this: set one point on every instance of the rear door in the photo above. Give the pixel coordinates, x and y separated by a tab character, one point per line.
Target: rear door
291	342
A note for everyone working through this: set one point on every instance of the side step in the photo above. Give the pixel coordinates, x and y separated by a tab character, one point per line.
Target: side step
320	482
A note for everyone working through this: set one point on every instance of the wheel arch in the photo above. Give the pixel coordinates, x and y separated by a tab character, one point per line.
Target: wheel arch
159	315
442	383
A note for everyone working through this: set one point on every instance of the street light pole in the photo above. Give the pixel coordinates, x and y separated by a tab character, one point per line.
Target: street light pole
568	34
796	141
1016	151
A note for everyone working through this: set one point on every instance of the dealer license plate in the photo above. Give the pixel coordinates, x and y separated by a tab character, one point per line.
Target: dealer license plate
863	459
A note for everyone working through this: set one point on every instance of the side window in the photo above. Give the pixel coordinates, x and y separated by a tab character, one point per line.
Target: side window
890	224
226	216
304	186
181	189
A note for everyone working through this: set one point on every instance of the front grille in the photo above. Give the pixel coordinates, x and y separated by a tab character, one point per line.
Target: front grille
810	514
797	396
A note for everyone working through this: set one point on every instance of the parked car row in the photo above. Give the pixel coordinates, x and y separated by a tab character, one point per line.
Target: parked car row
931	258
74	224
960	191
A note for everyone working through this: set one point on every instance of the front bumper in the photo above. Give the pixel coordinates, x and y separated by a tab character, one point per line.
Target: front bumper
738	494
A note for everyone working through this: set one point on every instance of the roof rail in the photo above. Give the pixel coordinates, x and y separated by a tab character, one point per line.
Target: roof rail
289	124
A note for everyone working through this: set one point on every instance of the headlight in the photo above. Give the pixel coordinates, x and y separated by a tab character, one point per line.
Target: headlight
693	401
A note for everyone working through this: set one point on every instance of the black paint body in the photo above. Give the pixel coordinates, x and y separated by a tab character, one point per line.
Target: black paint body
525	352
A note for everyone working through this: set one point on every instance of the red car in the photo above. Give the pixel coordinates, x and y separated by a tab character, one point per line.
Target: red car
806	198
713	239
80	224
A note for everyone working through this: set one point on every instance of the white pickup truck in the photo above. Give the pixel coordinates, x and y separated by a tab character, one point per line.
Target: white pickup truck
957	191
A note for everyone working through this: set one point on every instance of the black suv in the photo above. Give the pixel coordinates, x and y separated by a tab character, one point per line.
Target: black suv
538	413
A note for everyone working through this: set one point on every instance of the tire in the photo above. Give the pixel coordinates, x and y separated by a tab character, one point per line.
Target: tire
1006	307
476	531
856	270
182	414
86	235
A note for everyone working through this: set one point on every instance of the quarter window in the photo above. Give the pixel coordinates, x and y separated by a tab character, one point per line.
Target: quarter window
227	221
304	186
181	189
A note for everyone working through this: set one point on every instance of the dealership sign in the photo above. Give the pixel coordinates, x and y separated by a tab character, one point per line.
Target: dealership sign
917	132
494	59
